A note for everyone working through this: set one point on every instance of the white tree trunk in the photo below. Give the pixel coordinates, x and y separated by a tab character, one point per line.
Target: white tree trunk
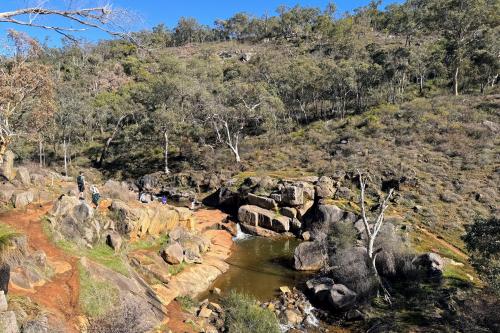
65	149
455	82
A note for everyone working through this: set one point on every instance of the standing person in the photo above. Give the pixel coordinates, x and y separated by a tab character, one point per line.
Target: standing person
80	181
96	196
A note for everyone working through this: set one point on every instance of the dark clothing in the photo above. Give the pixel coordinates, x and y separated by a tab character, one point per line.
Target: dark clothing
80	180
95	198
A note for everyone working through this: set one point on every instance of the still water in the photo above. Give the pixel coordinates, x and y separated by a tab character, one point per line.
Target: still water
258	267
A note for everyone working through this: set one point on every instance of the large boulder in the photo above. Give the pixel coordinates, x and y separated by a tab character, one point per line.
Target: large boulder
320	288
223	198
172	253
73	219
309	256
22	199
259	217
154	219
263	202
320	218
6	192
7	166
292	196
23	175
341	297
431	263
324	188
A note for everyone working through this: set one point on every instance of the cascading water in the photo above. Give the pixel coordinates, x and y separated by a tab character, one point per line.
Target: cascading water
240	234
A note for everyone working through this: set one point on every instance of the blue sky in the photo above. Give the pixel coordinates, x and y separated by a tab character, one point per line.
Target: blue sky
153	12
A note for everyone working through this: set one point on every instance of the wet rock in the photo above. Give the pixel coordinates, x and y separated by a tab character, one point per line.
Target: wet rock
263	202
309	256
256	216
293	317
258	231
295	225
173	253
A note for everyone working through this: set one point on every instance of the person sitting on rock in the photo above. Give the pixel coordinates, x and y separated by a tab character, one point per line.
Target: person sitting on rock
80	181
143	198
96	196
164	199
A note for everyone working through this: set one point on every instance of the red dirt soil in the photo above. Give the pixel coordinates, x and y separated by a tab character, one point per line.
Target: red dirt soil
59	296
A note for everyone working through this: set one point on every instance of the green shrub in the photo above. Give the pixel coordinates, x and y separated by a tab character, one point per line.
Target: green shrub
244	315
186	302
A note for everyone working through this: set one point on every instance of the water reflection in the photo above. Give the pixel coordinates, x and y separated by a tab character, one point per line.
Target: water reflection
259	266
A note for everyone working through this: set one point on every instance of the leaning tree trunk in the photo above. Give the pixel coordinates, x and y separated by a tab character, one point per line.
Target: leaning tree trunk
109	140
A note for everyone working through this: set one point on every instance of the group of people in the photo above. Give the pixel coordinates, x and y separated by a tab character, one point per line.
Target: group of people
96	196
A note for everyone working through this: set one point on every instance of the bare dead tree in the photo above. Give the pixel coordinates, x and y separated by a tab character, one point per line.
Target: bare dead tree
372	231
104	17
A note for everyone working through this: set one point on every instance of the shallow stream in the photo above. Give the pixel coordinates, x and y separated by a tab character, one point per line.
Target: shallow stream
258	267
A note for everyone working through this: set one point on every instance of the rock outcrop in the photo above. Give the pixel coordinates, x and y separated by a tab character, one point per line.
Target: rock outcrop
259	217
309	256
73	219
153	219
7	170
431	263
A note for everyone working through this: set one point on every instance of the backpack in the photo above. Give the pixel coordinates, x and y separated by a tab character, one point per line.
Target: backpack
80	179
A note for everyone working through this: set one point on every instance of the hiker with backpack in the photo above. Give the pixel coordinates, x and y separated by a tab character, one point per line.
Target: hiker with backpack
96	196
80	181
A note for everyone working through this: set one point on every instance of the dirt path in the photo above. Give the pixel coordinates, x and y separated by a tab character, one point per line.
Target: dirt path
441	241
59	295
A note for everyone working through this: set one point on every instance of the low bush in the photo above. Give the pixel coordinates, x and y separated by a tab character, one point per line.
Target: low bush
244	315
127	318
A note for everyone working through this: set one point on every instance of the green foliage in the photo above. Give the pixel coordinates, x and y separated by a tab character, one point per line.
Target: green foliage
7	235
244	315
481	240
96	297
186	302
